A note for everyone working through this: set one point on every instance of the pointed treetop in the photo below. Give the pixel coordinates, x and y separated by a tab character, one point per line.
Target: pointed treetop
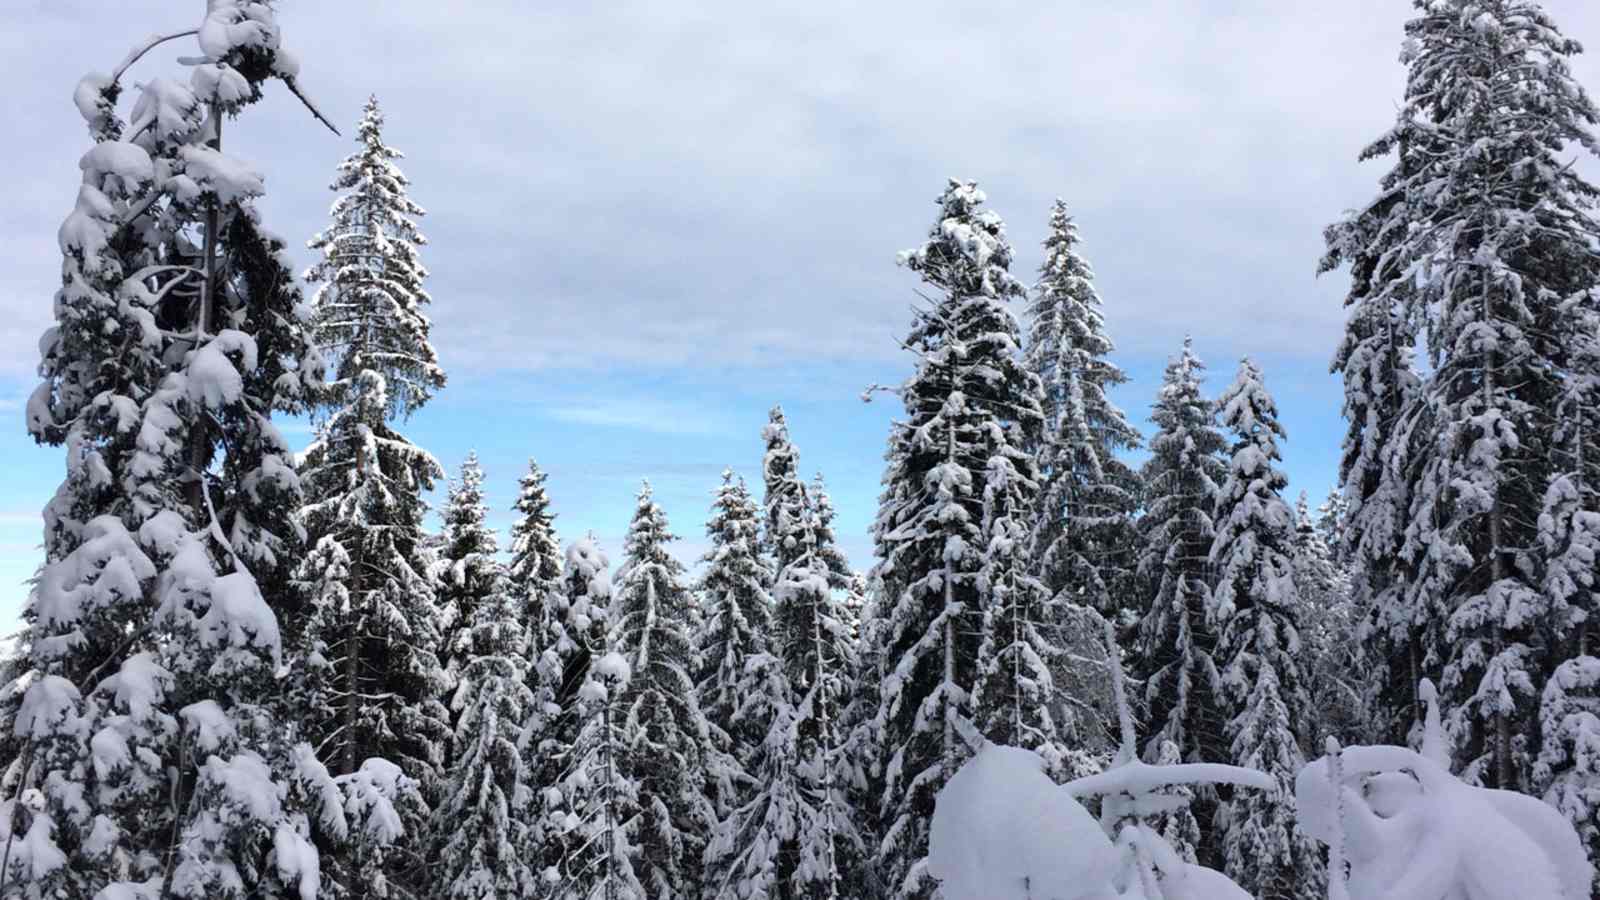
371	122
1248	409
531	496
368	308
1060	258
1178	399
535	563
468	485
966	252
648	534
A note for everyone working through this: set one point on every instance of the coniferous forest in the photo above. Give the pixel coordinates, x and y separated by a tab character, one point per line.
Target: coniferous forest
254	669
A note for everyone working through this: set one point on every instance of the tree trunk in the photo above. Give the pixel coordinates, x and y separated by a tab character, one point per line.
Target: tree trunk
199	434
1502	722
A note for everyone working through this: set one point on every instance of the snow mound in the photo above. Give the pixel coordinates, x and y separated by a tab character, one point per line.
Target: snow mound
1002	830
1411	829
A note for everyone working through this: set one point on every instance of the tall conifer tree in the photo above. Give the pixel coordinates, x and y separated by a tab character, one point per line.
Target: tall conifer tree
375	626
1175	653
795	835
1083	536
1339	687
1257	605
159	620
482	831
467	574
1502	258
783	502
533	575
588	832
970	400
735	591
666	732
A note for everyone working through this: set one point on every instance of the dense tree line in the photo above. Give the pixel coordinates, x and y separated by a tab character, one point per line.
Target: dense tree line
248	672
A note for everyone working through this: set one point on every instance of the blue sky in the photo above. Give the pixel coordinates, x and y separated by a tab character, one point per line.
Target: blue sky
649	223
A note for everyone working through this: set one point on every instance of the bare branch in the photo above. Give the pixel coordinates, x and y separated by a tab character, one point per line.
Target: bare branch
295	90
149	44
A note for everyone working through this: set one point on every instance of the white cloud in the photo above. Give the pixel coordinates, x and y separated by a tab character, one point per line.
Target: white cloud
677	185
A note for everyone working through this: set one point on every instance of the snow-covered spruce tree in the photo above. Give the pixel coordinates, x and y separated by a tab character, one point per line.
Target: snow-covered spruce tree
377	686
533	579
1083	541
818	653
863	760
1174	655
371	298
1337	685
533	576
735	592
467	574
155	753
784	499
840	576
1015	690
666	732
1315	572
482	831
970	399
1083	537
1502	257
1566	771
1257	605
1333	526
1382	388
796	835
590	815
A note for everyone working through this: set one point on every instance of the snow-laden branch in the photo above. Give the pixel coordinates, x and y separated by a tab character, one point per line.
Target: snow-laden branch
1136	777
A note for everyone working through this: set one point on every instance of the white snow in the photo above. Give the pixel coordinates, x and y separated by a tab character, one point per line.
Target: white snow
297	860
207	724
165	107
48	702
1134	777
370	792
127	161
1002	830
213	378
615	666
224	83
246	782
208	170
234	23
1410	829
139	684
86	96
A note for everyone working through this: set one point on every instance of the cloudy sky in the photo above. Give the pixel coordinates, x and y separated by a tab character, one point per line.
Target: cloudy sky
649	222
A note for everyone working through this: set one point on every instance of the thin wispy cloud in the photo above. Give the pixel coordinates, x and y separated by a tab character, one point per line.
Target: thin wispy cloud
652	418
